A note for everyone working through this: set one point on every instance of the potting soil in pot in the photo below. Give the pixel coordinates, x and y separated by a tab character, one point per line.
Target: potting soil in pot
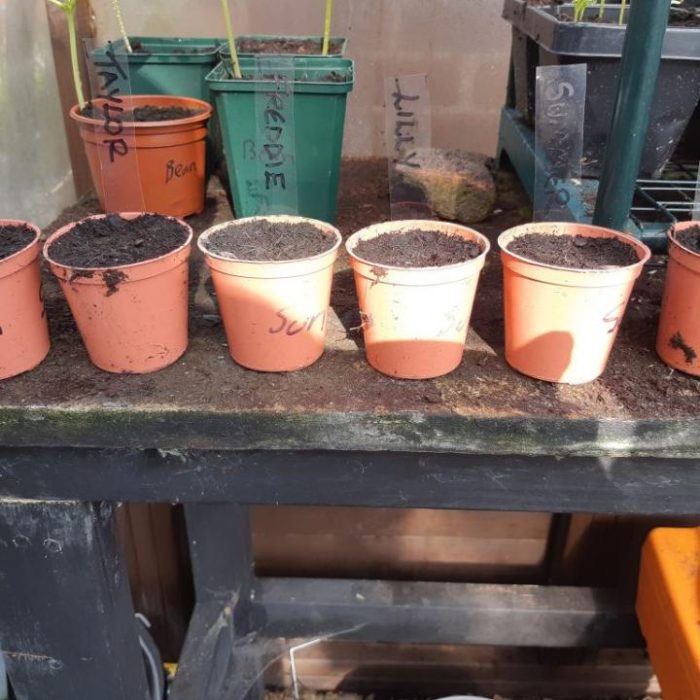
147	113
264	240
417	248
113	241
575	252
690	238
13	239
301	47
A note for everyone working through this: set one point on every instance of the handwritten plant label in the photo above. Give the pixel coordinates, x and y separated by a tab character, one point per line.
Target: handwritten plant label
111	75
273	151
290	322
408	137
559	118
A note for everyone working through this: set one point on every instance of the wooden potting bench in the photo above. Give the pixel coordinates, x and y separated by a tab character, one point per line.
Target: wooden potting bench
206	433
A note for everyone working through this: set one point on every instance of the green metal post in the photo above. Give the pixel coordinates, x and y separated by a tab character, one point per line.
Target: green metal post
641	56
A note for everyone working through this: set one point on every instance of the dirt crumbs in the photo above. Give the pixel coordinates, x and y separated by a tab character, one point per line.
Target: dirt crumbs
147	113
690	238
677	343
301	47
113	241
266	240
13	239
575	252
417	248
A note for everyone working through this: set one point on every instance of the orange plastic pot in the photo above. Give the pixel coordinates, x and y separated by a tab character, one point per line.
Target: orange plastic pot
132	318
147	166
415	320
274	312
24	333
560	323
678	338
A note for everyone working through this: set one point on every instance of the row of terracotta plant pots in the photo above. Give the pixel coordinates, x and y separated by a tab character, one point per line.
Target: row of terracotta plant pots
560	322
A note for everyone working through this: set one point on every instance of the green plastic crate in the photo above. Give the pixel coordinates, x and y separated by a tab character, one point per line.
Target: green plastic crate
319	121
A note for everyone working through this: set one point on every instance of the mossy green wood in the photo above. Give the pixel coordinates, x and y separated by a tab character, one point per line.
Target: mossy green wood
319	118
165	68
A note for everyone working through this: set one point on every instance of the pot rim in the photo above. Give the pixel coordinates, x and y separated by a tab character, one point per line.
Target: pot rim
274	218
34	241
570	229
671	234
416	223
137	100
64	230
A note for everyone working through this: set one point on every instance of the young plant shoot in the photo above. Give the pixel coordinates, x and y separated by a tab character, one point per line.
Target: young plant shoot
601	10
327	27
623	7
69	7
235	65
580	7
120	22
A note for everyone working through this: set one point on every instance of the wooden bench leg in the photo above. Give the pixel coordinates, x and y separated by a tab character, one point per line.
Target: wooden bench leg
67	626
222	659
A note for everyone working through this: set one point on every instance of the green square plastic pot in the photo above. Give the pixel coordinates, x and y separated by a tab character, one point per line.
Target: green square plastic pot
165	69
319	122
225	53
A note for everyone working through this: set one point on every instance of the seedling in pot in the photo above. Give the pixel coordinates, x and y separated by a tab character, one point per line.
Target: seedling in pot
69	7
235	65
327	27
580	7
120	22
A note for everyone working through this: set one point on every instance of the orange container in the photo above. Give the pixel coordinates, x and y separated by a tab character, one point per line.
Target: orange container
24	333
147	166
678	338
560	324
132	318
668	608
415	320
274	312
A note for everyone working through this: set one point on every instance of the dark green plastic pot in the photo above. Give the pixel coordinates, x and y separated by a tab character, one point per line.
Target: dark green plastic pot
319	122
165	69
240	45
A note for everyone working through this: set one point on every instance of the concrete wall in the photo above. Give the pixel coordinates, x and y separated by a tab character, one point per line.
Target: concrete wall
463	45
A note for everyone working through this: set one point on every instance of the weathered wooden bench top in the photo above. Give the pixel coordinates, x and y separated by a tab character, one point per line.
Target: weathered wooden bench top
206	401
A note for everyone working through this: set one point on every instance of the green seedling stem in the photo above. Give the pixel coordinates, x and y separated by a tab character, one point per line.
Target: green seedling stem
601	10
235	65
623	7
69	7
120	22
327	27
580	7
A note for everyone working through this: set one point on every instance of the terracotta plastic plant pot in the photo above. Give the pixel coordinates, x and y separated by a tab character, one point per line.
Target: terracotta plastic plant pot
132	318
274	312
154	166
560	323
415	320
24	333
678	338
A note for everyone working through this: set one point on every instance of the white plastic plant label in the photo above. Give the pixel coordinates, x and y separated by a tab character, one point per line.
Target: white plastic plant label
408	144
275	185
113	143
560	103
696	206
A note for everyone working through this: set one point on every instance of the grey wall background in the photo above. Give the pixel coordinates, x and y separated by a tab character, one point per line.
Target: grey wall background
463	46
